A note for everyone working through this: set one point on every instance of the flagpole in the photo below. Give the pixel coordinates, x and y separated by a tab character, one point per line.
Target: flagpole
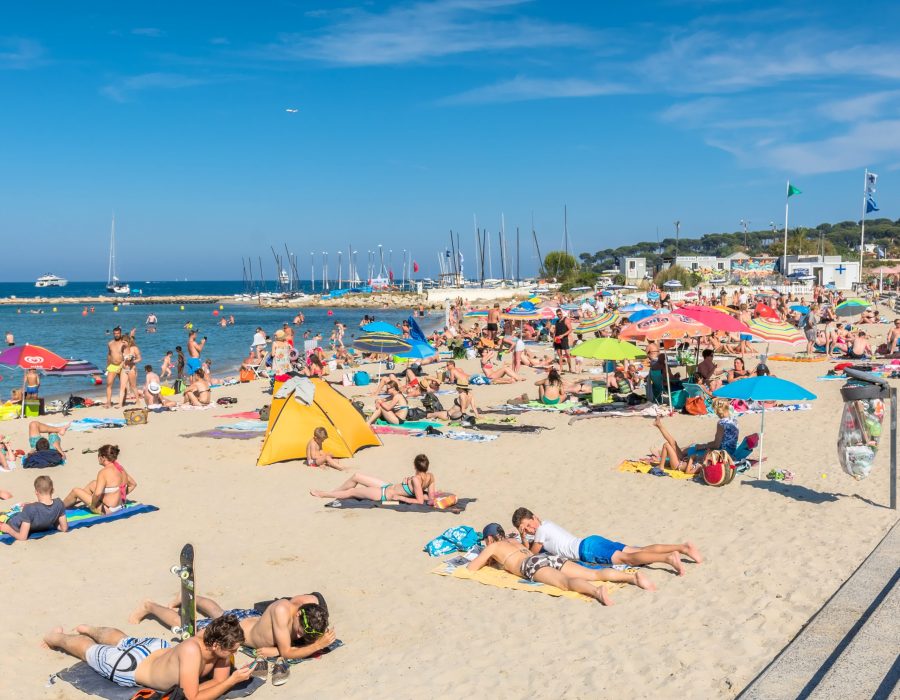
862	235
787	200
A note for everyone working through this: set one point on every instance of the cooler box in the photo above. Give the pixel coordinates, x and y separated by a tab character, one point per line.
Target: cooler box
34	408
599	394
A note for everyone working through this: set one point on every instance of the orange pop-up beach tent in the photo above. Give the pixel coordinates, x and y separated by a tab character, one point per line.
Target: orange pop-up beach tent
292	422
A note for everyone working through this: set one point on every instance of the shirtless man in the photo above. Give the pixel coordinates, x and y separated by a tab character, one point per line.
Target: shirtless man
492	325
194	350
290	628
566	575
115	357
454	375
893	338
153	663
197	393
860	349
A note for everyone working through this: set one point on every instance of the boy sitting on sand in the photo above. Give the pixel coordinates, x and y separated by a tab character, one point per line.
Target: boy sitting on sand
595	549
289	628
154	663
46	513
316	456
552	570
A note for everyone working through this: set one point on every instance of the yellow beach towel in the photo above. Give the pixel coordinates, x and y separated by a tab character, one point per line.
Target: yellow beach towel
490	576
639	466
798	358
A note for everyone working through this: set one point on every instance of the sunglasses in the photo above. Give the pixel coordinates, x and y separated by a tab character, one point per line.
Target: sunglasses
304	623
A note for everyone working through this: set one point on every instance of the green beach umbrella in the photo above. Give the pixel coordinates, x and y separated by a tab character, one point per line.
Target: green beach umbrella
851	307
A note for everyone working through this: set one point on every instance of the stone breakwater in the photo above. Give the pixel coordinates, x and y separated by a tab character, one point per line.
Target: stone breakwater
103	300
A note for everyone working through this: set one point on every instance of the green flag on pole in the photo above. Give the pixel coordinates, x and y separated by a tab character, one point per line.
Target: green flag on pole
793	190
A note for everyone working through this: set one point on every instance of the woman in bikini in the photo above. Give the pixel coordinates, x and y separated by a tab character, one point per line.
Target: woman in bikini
128	375
107	493
418	488
739	371
550	389
393	409
671	456
553	570
498	374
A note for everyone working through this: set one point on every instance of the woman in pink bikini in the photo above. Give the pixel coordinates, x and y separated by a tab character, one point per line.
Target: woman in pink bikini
107	493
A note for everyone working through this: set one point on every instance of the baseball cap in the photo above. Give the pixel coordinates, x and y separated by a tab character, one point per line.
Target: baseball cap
493	530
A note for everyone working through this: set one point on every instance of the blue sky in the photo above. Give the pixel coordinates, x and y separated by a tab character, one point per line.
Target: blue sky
415	116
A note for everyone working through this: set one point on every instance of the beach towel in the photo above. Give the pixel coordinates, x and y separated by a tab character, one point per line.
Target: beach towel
411	425
365	503
489	576
458	435
753	407
249	415
798	358
218	434
336	644
639	466
82	425
534	406
82	517
88	681
245	426
507	428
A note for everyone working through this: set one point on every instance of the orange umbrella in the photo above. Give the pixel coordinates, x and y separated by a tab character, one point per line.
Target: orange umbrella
664	326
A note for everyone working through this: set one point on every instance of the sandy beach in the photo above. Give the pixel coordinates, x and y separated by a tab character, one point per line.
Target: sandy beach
773	553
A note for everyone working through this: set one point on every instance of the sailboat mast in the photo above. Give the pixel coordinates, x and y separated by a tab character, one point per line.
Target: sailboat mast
111	275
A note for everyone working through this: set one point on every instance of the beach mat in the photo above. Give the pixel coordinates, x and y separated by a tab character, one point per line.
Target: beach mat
82	517
507	428
88	681
411	425
489	576
638	466
336	644
798	358
364	503
219	434
248	415
532	406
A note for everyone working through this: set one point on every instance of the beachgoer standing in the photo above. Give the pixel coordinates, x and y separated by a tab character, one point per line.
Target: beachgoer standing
561	338
288	334
180	362
114	359
281	357
194	350
258	346
493	322
165	370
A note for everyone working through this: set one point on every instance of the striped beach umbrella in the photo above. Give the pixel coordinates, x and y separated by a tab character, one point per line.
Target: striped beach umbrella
851	307
476	313
776	331
384	343
597	323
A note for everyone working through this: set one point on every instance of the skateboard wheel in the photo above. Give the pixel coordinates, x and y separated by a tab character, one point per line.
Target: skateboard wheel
176	630
176	570
185	635
185	575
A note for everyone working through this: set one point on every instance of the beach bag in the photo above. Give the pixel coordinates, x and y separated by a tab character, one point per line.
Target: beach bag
361	379
173	693
718	468
136	416
246	375
40	459
432	403
695	406
264	413
415	414
455	539
178	386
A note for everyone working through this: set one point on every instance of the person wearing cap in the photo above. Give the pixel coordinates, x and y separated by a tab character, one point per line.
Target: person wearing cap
762	370
281	356
514	557
153	389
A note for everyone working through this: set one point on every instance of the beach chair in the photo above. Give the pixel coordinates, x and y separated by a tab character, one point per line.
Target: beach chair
259	369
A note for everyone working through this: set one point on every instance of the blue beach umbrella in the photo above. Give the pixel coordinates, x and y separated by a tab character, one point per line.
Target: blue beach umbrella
636	316
653	296
419	350
764	388
631	308
382	327
800	308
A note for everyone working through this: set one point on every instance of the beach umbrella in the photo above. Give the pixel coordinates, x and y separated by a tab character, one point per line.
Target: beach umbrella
537	314
800	308
653	296
597	323
635	306
851	307
383	343
526	305
641	315
419	350
765	311
765	388
476	313
74	368
714	318
608	349
606	293
691	295
672	284
776	331
664	326
381	327
31	357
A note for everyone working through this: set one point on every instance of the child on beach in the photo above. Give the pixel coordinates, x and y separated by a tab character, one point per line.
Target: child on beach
44	514
316	456
595	549
165	370
32	382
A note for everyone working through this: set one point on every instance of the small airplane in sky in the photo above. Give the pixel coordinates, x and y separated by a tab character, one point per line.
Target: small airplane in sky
292	110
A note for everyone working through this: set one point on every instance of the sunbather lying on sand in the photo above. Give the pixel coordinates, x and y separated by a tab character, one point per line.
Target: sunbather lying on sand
290	628
726	438
418	488
316	456
566	575
154	663
596	549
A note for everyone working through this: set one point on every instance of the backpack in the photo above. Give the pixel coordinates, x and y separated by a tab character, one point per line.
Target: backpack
415	414
718	468
39	459
173	693
264	413
695	406
432	403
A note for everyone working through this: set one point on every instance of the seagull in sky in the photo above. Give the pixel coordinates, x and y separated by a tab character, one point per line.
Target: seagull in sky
292	110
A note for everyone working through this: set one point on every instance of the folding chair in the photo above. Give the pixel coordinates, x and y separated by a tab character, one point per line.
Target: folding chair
259	369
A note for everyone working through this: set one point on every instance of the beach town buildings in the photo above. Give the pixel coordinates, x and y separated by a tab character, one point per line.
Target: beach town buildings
825	269
633	269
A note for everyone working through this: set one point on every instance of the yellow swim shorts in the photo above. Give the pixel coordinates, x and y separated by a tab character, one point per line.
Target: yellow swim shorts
113	369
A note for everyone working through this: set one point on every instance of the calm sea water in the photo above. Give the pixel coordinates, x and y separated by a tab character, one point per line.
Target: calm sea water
72	335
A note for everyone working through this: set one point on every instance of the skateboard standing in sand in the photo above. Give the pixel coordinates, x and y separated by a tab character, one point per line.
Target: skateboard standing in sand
185	571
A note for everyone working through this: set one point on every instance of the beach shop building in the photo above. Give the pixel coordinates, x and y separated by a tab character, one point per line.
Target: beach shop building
826	269
633	269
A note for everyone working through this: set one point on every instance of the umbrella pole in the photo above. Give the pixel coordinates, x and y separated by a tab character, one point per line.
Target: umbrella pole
22	407
669	385
762	436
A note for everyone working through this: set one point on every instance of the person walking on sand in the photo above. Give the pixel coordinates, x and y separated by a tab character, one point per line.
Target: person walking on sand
115	351
492	325
517	559
595	549
165	369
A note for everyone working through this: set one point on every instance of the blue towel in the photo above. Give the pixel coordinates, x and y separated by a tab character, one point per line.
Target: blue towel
88	520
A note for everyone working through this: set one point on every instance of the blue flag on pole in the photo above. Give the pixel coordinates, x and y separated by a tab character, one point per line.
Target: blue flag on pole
870	204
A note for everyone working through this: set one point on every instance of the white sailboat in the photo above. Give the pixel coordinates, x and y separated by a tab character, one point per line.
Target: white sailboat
113	284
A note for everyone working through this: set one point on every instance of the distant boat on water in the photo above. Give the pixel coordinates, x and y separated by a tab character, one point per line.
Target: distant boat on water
113	285
49	280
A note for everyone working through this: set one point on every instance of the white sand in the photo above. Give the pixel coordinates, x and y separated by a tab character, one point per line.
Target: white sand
774	554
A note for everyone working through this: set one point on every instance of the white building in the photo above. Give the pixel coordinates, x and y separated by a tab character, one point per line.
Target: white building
698	263
633	269
827	270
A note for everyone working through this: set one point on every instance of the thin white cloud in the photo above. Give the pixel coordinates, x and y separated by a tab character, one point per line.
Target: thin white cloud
126	88
866	106
523	88
417	32
152	32
17	53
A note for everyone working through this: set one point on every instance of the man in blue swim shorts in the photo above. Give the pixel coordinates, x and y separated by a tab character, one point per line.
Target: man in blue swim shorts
594	549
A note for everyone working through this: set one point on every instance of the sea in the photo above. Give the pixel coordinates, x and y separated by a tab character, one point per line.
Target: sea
69	332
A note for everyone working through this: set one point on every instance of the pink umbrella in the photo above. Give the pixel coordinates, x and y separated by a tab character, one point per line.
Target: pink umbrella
664	326
715	319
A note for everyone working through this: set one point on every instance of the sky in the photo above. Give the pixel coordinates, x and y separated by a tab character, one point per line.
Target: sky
214	130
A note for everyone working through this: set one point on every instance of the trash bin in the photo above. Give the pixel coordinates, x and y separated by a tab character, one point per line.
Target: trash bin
860	431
